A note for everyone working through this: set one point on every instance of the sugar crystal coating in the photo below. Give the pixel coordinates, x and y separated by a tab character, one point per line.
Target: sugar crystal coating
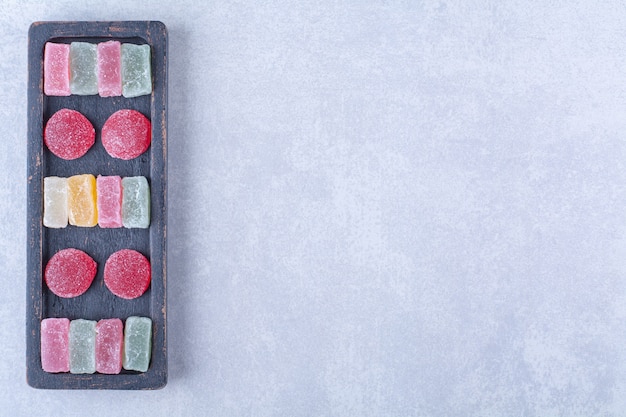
83	68
55	345
136	70
135	202
109	343
127	273
82	346
55	202
137	343
109	201
109	69
81	200
69	134
126	134
70	272
56	64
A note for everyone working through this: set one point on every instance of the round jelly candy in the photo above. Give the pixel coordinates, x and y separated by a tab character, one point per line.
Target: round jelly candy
68	134
127	273
70	272
126	134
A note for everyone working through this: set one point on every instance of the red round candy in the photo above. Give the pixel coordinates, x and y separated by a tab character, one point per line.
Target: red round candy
70	272
127	273
68	134
126	134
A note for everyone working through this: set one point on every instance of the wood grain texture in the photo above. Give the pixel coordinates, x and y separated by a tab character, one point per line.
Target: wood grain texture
98	302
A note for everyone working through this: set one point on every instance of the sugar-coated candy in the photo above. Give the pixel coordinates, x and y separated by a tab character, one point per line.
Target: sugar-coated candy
83	68
126	134
137	343
109	342
55	345
109	69
69	134
135	202
81	200
136	70
127	273
109	201
55	202
56	69
70	272
82	346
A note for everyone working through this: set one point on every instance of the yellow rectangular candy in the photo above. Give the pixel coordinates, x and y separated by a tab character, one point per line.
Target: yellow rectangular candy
81	200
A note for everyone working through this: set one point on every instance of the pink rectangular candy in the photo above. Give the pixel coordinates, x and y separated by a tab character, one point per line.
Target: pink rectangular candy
55	354
109	201
109	69
56	69
109	345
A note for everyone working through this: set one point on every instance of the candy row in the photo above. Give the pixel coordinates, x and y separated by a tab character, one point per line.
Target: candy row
70	272
125	135
86	346
107	68
109	201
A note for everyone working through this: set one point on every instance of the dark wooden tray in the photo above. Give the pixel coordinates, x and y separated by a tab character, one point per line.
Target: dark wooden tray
98	302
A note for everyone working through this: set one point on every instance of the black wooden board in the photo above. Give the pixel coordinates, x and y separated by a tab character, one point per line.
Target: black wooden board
98	302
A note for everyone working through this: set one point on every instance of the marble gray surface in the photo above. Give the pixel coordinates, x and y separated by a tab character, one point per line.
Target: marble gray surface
376	209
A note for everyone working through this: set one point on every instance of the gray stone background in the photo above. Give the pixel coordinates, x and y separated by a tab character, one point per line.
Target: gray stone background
397	208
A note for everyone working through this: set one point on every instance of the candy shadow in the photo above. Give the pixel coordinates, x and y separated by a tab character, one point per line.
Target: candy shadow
179	168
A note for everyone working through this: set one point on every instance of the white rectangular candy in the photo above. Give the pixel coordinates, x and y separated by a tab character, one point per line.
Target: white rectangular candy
55	202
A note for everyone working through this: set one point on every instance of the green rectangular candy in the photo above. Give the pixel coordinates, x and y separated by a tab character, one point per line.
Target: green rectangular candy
82	346
135	202
136	70
137	343
83	68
